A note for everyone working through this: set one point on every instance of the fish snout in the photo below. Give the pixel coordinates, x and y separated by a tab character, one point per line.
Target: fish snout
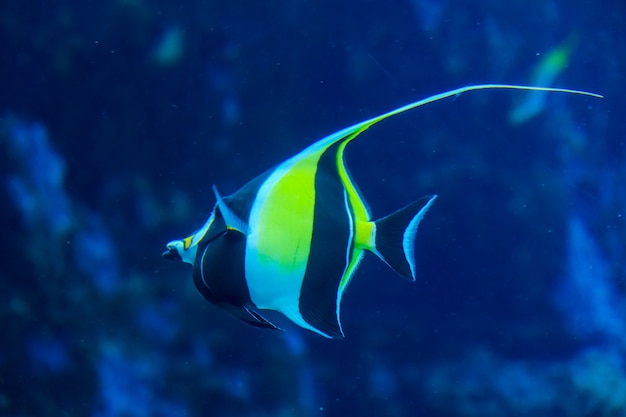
172	254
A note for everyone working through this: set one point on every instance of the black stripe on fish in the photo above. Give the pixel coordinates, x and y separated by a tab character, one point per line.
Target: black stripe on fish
240	203
330	241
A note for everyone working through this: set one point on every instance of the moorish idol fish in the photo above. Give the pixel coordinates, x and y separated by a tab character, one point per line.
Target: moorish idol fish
291	239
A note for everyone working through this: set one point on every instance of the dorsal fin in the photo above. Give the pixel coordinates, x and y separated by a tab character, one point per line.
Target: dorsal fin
353	131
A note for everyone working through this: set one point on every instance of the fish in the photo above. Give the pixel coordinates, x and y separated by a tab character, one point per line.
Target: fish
291	239
545	72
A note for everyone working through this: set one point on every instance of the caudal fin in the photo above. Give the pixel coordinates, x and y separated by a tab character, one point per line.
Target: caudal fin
395	236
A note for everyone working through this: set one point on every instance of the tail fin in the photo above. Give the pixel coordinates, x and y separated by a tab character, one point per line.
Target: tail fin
395	236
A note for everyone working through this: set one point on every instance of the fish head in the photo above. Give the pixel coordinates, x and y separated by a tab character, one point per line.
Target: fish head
185	250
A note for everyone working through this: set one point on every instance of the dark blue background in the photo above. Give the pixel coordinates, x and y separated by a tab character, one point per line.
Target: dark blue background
520	302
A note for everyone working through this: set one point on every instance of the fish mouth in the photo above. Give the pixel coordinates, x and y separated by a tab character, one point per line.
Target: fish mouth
171	254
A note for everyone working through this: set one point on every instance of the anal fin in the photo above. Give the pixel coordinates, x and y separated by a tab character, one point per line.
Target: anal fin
249	316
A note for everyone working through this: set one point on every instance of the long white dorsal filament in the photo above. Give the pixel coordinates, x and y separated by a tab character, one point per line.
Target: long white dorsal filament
461	90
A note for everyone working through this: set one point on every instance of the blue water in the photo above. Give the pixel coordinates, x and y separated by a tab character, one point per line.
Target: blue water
116	118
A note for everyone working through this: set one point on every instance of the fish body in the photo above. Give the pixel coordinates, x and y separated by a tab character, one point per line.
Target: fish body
291	239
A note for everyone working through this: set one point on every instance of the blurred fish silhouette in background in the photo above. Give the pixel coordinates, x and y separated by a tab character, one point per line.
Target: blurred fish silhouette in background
545	73
291	239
